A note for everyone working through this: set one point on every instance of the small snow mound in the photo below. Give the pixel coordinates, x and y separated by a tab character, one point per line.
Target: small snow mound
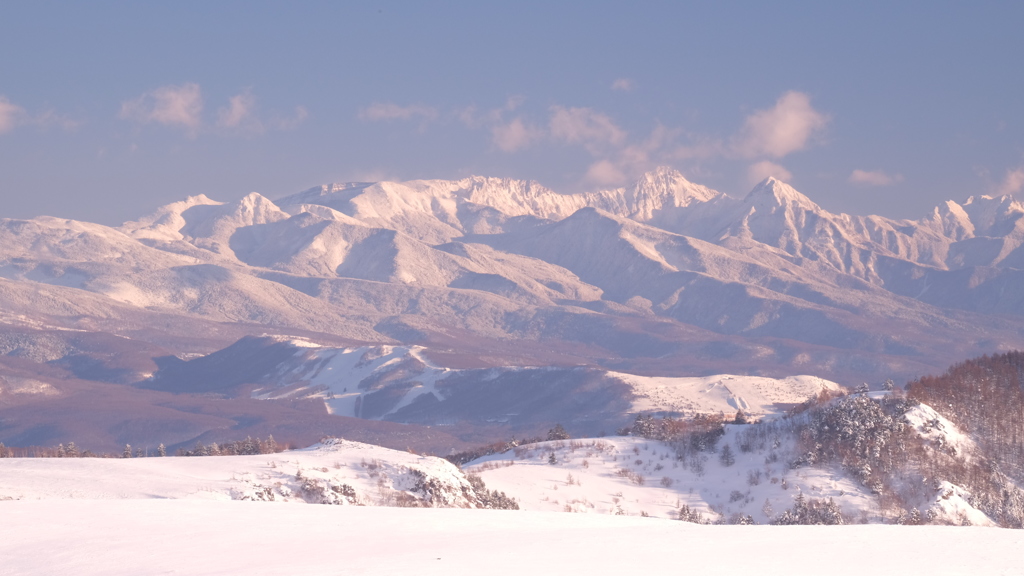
951	505
939	431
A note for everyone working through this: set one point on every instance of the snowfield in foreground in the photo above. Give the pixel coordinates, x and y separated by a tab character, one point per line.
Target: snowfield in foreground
141	537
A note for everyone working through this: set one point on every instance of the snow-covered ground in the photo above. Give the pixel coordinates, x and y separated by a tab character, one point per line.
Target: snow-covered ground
334	472
755	395
415	514
635	476
747	474
142	537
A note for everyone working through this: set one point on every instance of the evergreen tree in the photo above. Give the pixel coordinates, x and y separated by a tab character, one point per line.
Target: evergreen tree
726	457
271	445
127	451
161	450
72	450
558	433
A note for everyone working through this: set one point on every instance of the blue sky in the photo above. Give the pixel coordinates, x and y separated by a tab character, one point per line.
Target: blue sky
109	109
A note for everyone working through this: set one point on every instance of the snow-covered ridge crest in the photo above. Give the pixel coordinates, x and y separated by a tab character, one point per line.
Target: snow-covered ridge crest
657	190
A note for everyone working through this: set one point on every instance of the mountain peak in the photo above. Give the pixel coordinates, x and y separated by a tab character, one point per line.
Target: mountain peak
778	193
671	186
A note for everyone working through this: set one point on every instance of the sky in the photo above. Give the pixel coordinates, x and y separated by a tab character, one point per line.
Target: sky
111	109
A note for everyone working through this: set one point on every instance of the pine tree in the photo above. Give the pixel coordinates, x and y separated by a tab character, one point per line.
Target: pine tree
161	450
726	456
61	452
127	451
271	445
558	433
72	450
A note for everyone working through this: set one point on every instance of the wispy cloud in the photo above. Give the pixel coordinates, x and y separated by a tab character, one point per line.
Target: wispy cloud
781	130
758	171
515	135
168	105
623	85
605	173
290	122
390	111
182	107
10	114
1013	182
584	126
617	155
50	118
240	110
507	135
873	178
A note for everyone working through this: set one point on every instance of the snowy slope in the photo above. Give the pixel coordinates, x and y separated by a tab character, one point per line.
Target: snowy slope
334	472
635	476
136	538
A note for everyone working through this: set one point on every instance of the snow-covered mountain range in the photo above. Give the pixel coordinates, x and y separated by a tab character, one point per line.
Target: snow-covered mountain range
664	278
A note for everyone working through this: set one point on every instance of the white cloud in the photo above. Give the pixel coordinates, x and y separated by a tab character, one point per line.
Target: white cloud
873	178
605	173
584	126
781	130
167	105
10	115
240	110
760	170
1013	183
622	85
514	135
389	111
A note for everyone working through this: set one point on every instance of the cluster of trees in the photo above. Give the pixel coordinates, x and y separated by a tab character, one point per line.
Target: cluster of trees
245	447
811	511
460	458
867	437
71	450
985	398
491	499
701	432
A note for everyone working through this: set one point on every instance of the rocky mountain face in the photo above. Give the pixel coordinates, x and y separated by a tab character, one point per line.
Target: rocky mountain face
661	278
